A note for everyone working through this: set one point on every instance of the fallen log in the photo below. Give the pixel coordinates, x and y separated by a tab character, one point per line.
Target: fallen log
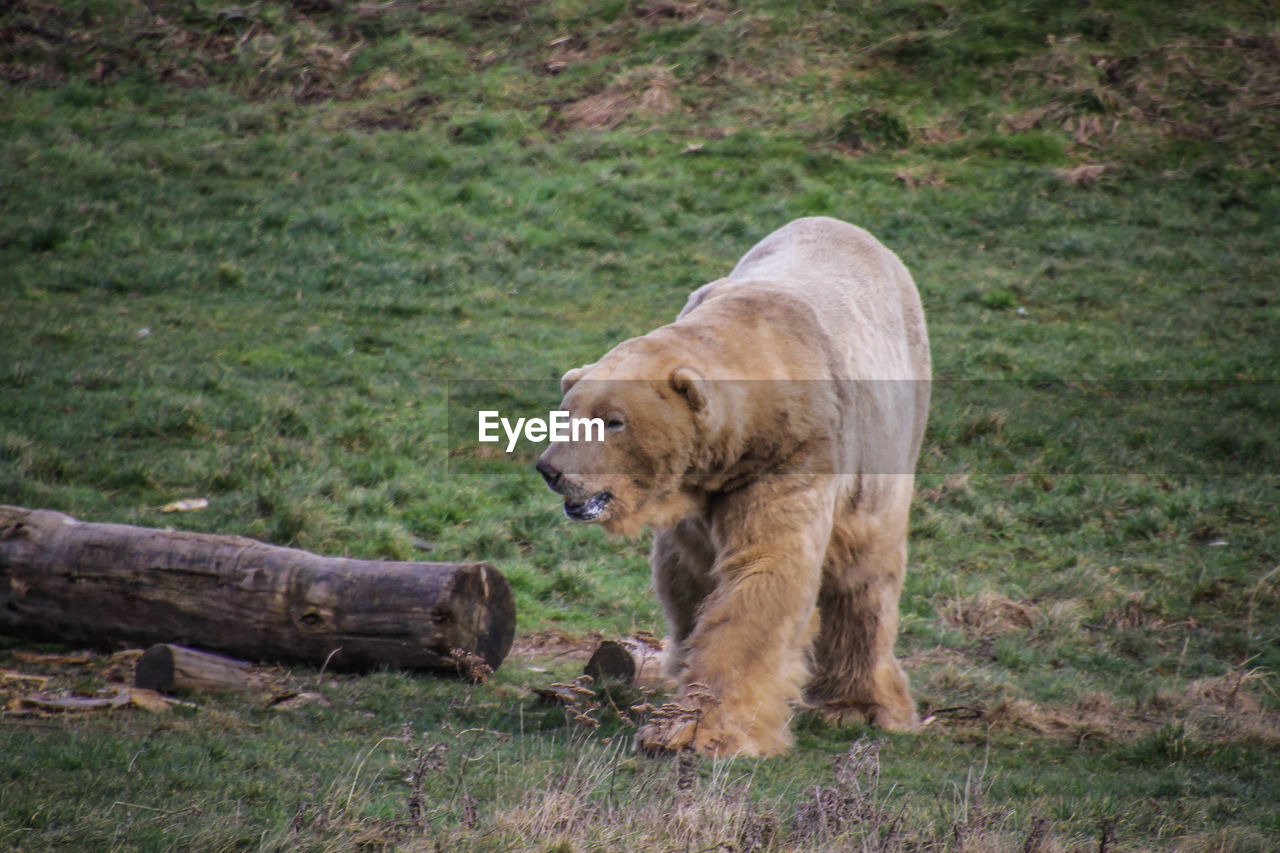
103	584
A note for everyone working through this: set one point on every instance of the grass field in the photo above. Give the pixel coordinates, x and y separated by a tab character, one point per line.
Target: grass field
249	252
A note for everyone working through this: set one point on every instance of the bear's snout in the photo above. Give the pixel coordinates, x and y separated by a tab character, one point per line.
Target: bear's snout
580	504
550	474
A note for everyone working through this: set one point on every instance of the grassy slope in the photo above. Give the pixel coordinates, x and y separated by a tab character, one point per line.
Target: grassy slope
363	204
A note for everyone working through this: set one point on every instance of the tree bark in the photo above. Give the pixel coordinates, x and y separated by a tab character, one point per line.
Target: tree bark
106	584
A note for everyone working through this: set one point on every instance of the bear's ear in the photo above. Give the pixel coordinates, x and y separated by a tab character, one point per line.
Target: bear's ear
571	378
690	383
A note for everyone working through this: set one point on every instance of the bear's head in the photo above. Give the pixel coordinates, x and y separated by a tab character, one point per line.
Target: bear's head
644	420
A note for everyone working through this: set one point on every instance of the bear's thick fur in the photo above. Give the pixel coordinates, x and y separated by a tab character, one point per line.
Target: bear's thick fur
768	437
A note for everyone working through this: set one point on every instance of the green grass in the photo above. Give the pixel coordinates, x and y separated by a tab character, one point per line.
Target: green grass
247	253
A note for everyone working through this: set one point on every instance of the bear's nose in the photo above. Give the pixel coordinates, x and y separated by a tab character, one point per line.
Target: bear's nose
548	472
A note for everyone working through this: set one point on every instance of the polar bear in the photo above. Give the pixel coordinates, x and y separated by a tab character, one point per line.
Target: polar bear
768	438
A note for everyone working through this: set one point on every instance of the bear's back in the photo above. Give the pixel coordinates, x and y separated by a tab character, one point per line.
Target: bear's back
859	292
816	250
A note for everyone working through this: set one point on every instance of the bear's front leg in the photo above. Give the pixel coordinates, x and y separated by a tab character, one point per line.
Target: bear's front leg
745	661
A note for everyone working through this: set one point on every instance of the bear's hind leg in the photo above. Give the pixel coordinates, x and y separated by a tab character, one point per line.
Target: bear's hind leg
855	671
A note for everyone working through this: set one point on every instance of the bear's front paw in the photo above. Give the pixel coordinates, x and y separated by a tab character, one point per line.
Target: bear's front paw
705	736
666	736
694	721
700	722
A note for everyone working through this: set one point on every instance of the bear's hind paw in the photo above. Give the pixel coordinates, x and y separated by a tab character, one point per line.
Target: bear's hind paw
889	719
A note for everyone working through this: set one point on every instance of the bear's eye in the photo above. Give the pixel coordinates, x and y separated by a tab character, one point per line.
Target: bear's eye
614	423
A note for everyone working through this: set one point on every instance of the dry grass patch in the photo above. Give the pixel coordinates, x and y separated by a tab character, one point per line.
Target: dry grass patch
1136	611
1234	840
645	91
682	10
1227	708
1223	709
986	615
609	797
956	484
293	53
920	176
685	803
1094	718
1083	175
1216	90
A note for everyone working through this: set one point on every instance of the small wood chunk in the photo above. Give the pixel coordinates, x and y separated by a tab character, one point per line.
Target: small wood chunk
632	660
611	662
166	668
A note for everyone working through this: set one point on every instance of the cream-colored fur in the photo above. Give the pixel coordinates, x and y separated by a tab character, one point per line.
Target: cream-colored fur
768	437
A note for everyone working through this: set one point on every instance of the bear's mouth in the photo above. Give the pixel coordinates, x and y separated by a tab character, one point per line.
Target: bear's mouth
590	509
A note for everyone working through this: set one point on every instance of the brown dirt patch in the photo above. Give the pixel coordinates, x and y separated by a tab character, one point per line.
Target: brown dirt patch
555	644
